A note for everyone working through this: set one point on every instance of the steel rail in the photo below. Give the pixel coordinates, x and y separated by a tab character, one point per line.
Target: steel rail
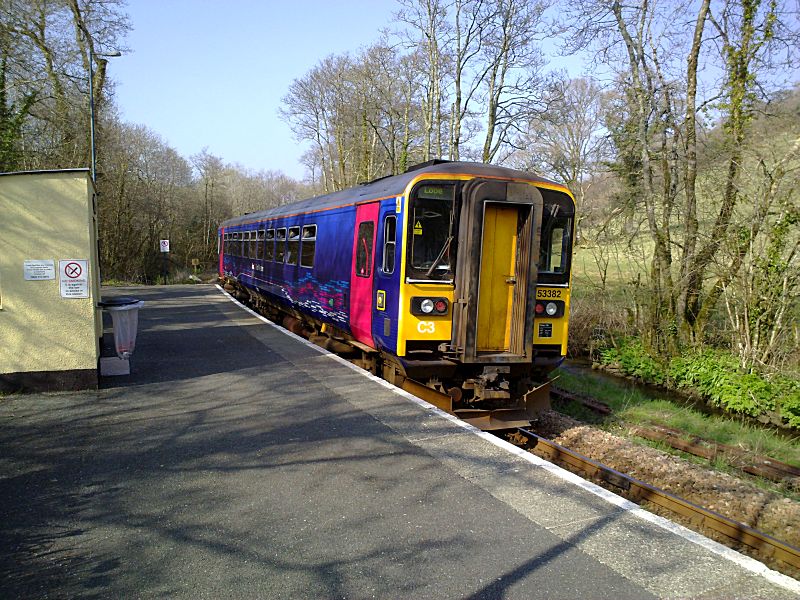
640	491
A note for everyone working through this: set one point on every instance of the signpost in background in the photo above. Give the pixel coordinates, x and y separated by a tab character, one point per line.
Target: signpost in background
164	247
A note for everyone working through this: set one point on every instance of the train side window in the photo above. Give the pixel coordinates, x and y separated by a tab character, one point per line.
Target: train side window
236	247
270	250
389	243
260	245
366	234
293	246
280	244
309	247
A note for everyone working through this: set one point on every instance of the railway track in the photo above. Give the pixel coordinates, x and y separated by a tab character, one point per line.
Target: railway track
635	490
736	533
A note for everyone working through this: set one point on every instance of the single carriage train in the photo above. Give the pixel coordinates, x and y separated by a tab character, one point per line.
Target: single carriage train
451	280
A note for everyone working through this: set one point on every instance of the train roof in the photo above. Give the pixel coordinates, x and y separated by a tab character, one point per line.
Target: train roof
384	187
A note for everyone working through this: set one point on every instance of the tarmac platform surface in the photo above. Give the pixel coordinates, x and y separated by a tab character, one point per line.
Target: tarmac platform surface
237	461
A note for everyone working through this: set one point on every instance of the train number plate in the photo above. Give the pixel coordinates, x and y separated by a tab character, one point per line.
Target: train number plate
548	294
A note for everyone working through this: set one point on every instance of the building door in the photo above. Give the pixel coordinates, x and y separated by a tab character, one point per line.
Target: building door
498	277
362	273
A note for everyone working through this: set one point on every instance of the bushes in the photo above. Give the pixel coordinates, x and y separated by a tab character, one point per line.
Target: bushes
717	377
633	359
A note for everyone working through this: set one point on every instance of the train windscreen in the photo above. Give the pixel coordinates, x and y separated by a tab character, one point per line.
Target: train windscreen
431	224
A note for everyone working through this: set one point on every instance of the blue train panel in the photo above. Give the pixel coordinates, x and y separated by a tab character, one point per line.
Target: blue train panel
322	290
387	277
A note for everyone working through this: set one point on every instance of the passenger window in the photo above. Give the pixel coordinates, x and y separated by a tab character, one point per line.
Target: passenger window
251	252
293	246
237	246
280	244
389	236
366	234
260	245
309	246
270	251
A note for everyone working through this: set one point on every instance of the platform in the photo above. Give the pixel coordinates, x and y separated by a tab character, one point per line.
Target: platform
238	461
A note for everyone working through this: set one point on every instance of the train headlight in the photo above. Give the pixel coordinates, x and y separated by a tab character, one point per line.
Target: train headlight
549	308
420	305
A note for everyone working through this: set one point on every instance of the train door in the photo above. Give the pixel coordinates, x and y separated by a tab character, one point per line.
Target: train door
494	308
497	277
362	272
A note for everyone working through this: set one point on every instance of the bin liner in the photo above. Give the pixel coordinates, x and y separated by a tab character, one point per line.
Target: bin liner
125	319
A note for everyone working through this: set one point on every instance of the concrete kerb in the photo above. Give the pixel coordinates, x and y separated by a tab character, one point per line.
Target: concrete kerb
744	562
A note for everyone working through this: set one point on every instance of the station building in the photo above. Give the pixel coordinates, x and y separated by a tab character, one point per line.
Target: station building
50	323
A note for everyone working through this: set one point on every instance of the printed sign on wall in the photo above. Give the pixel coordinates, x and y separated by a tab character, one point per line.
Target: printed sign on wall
39	270
74	278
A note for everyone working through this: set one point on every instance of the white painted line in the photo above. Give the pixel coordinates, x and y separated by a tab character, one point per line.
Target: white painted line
745	562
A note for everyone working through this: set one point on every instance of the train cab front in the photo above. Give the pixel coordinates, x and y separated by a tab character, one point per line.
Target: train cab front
486	289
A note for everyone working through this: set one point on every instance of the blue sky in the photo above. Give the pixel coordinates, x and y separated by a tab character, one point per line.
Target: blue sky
211	73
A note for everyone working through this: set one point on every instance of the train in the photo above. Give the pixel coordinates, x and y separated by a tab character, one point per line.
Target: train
450	280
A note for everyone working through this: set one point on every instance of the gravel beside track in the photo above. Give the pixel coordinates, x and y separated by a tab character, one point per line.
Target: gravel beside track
732	497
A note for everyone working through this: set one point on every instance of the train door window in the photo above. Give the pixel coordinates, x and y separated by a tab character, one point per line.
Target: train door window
293	246
366	234
280	244
260	245
236	246
309	246
270	250
389	242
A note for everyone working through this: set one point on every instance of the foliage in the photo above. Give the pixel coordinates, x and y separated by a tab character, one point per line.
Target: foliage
716	376
631	356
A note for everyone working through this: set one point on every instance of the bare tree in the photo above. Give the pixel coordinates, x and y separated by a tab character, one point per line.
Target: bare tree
513	82
568	142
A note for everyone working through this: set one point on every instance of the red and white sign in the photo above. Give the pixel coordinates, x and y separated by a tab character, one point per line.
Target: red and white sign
73	276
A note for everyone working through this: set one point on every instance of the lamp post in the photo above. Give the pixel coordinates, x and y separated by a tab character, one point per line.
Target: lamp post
91	106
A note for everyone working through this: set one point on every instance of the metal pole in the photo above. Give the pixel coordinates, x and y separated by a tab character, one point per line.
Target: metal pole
91	107
91	114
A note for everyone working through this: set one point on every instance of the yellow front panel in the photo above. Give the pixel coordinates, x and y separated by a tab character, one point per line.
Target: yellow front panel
431	328
559	326
498	262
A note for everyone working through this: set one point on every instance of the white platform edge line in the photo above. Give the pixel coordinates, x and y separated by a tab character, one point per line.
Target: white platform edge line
747	563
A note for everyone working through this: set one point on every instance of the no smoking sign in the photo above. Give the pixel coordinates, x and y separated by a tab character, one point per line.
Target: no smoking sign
73	277
73	270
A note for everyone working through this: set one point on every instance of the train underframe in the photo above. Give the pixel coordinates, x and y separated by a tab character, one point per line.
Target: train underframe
489	395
